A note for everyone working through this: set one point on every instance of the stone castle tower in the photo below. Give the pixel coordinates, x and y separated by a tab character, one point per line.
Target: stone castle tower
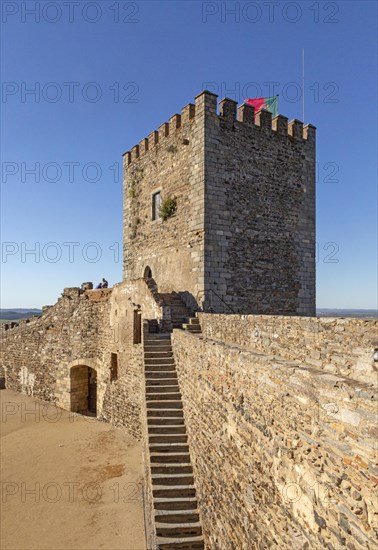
203	393
242	236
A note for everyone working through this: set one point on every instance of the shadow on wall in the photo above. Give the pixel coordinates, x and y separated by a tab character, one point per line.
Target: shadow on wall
190	301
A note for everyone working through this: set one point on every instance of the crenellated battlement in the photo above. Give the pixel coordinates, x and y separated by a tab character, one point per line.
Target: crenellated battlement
262	120
228	113
157	137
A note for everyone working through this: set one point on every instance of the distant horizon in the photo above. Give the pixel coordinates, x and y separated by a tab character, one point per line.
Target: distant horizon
317	308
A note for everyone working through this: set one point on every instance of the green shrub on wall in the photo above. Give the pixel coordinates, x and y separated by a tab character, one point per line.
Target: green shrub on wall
168	208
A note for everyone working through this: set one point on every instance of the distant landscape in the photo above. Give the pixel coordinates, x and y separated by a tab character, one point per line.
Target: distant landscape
357	313
16	314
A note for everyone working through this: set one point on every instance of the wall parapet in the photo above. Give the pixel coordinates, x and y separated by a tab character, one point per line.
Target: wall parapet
340	346
245	114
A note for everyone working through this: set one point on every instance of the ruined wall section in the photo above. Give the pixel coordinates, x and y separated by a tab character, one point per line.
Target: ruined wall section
36	353
170	160
82	329
259	212
284	454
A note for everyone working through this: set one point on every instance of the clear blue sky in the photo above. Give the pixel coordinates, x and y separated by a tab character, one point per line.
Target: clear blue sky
106	74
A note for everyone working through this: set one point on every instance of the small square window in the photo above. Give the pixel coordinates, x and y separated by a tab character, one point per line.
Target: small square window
156	202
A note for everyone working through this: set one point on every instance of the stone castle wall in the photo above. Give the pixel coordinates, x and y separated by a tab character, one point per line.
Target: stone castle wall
284	453
37	355
47	356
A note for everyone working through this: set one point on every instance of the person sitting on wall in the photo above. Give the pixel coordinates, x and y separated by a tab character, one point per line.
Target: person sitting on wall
104	284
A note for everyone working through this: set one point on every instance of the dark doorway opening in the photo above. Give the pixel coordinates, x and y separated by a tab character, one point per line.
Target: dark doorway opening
137	337
83	390
147	273
92	391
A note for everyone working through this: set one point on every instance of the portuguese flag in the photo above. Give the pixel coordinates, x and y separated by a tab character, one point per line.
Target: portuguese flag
268	103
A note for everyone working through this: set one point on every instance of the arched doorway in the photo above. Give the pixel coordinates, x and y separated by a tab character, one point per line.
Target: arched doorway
147	274
83	386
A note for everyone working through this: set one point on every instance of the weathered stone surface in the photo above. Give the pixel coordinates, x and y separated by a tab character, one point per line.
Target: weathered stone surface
312	341
243	235
49	356
276	462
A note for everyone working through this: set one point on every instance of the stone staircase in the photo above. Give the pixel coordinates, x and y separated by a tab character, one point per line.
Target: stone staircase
174	496
180	313
193	326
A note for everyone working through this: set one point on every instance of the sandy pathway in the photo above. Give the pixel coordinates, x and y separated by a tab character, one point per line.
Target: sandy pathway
68	482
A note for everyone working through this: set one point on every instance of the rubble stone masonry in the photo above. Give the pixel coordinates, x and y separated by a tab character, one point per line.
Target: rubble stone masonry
242	237
284	451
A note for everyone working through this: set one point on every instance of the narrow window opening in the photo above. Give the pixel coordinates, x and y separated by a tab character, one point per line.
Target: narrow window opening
113	367
156	202
137	336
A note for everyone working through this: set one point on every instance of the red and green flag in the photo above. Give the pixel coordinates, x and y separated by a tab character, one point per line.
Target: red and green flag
268	103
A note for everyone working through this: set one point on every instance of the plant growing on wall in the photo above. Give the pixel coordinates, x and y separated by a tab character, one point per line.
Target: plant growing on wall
134	179
168	208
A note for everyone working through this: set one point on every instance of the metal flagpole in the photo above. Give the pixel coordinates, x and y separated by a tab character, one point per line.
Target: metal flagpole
303	88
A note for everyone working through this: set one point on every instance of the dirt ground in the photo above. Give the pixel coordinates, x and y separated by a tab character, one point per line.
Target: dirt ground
68	482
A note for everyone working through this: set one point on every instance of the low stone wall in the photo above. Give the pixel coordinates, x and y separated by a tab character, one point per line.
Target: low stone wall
37	355
339	346
46	357
283	452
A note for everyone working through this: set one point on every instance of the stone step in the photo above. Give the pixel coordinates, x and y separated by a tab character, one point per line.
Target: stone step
164	413
186	503
164	404
190	543
194	326
159	388
173	492
150	374
182	468
157	349
165	421
157	354
160	382
176	516
156	341
167	438
167	429
159	361
161	368
172	479
194	321
178	529
157	337
171	458
168	447
163	396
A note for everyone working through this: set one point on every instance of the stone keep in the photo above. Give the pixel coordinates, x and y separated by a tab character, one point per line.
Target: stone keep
242	237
